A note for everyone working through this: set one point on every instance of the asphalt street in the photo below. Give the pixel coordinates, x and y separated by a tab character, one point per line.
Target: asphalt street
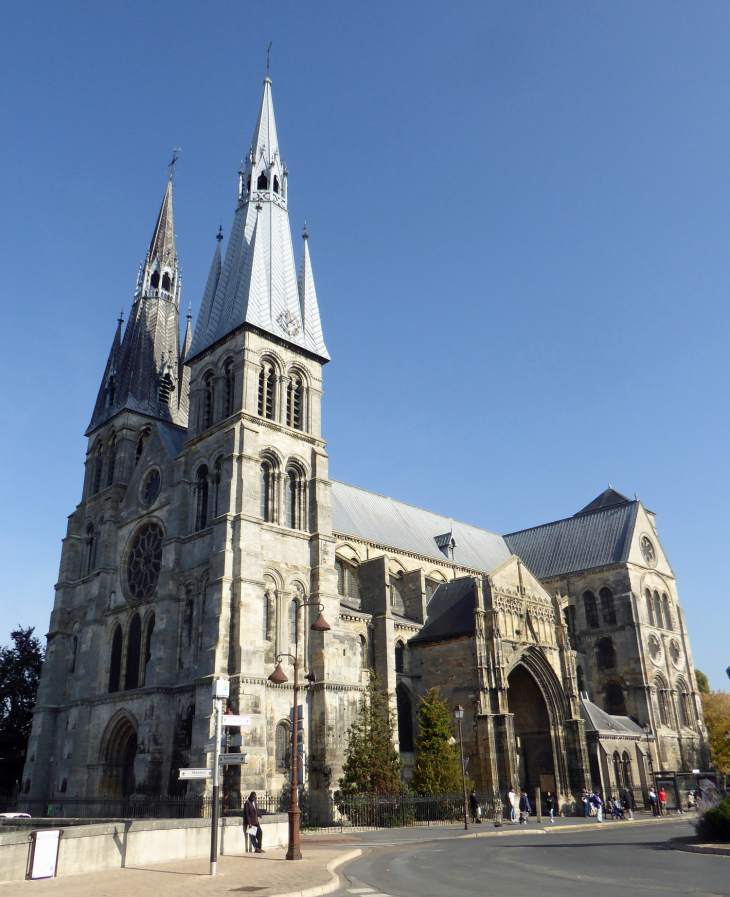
610	859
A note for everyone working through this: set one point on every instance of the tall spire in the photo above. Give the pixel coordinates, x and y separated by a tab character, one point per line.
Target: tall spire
144	367
257	283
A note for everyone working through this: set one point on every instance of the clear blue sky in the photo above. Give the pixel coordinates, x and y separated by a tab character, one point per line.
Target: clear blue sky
520	224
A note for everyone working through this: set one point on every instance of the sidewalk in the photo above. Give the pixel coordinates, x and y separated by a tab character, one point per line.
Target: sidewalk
266	875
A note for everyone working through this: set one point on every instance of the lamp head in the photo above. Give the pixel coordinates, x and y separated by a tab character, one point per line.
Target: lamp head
459	711
320	624
278	676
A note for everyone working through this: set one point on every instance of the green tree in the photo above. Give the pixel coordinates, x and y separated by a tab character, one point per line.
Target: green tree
716	708
703	683
371	761
20	673
437	769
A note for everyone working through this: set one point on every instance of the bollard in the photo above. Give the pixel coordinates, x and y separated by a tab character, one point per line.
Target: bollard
538	805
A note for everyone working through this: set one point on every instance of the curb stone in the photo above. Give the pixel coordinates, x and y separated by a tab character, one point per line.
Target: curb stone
334	882
681	844
556	829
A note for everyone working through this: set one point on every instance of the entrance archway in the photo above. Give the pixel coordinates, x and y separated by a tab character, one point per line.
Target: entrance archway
532	732
118	752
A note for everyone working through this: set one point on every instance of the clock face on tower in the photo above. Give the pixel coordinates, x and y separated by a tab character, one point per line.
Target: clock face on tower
648	550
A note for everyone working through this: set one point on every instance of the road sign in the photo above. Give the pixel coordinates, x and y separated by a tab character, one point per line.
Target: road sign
221	688
232	719
233	759
196	773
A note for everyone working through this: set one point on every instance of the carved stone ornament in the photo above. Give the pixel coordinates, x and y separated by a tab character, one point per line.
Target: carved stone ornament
648	551
289	322
675	653
655	649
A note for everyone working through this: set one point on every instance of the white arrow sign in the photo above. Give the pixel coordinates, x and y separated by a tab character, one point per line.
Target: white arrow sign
233	759
196	773
235	720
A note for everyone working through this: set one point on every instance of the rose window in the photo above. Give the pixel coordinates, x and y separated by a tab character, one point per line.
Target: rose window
145	561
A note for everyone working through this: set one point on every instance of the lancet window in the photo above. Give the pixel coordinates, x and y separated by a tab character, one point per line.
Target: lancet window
267	491
96	469
608	608
201	498
229	385
111	461
267	391
115	660
208	400
134	649
605	654
613	699
295	403
667	613
649	608
591	608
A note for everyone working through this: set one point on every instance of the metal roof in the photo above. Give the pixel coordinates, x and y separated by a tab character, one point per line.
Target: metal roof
600	721
606	499
385	521
593	539
450	611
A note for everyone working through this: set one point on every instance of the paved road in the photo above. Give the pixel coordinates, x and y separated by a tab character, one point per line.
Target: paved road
613	859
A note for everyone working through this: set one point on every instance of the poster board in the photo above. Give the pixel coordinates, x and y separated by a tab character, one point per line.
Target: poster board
44	853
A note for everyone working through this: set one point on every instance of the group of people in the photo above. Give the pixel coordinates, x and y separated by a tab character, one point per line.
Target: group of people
658	801
620	807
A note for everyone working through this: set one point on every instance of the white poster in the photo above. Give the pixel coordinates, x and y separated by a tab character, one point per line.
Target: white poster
45	854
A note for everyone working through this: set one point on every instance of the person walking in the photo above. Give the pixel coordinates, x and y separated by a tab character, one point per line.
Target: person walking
475	809
662	801
512	805
586	803
627	802
252	823
525	808
550	804
654	801
597	802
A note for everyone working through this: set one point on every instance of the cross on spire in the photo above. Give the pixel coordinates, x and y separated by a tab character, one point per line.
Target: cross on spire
268	52
175	157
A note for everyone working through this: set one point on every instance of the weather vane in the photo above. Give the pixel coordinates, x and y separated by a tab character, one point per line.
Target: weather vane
268	51
175	157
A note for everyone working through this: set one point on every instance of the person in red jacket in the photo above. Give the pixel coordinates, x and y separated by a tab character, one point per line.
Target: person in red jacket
662	802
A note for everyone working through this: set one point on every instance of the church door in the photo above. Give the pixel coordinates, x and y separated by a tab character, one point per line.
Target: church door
532	732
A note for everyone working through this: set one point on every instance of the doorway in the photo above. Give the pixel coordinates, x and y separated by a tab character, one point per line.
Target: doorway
532	732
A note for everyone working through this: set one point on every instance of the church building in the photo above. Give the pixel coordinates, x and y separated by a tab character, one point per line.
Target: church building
207	516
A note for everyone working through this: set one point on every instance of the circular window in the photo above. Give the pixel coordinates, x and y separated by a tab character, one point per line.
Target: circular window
151	487
648	550
145	561
655	649
675	652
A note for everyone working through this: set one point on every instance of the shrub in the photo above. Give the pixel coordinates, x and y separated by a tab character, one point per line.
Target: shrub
714	823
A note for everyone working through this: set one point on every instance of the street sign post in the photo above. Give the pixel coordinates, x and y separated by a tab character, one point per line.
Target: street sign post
233	759
221	689
232	719
196	773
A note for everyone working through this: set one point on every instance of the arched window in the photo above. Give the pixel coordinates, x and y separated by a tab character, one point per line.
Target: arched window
340	571
581	680
293	625
140	448
201	498
111	390
74	652
96	470
589	602
649	608
658	611
266	615
618	769
208	400
90	550
166	282
188	618
155	280
281	746
295	498
295	403
628	777
165	390
229	386
134	648
684	705
111	461
115	660
262	182
267	492
363	653
667	613
276	184
613	699
400	652
607	607
663	698
216	487
605	654
148	647
405	718
267	390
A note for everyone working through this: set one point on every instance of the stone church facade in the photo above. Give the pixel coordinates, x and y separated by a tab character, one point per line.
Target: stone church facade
207	514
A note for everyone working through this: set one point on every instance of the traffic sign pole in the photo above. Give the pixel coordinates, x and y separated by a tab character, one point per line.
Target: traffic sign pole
220	690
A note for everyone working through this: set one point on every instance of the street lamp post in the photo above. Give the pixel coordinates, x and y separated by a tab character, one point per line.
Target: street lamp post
647	731
459	714
278	676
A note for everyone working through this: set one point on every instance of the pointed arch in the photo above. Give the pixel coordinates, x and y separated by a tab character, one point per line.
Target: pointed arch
117	753
404	706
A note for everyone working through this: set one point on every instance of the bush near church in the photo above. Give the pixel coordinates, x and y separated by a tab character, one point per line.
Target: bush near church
714	824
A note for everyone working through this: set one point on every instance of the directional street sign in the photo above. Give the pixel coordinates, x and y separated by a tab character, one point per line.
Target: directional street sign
196	773
232	719
233	759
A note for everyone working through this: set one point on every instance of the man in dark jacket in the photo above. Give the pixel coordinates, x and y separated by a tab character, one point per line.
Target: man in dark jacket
474	808
252	822
525	808
628	803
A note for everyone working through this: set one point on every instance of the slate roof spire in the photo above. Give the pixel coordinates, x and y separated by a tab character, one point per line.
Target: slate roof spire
143	372
257	281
